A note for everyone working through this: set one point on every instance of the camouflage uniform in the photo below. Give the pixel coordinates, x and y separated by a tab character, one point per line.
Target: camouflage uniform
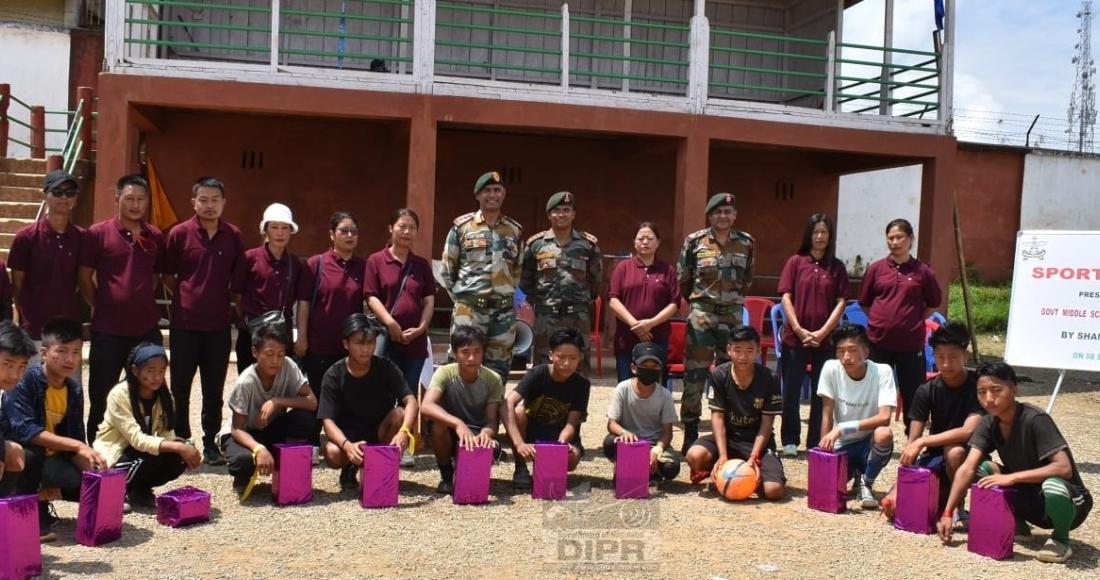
561	283
714	278
480	265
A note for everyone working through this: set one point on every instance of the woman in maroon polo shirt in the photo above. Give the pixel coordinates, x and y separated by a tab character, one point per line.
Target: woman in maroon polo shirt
897	292
814	287
329	291
400	291
644	295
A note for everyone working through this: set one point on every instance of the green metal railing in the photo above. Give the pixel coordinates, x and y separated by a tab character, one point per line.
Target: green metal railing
645	55
807	82
461	54
912	86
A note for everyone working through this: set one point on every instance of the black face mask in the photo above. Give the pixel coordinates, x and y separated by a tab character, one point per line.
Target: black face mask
648	376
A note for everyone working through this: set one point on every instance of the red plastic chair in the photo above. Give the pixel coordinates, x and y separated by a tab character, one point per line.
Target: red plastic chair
677	345
758	309
595	338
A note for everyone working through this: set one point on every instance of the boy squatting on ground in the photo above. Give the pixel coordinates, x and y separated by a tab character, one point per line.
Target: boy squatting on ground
364	399
1036	461
857	400
16	348
272	402
949	403
744	399
463	403
641	410
549	404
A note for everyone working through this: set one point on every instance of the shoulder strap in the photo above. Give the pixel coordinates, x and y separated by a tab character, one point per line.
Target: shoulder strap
405	271
316	280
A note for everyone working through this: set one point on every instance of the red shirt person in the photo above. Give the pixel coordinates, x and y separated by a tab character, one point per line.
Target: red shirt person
814	288
199	259
897	292
120	259
45	258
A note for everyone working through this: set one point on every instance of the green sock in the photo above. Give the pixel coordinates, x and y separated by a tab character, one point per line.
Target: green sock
1059	507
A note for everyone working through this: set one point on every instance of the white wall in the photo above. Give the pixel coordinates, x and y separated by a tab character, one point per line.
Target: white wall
867	202
36	64
1060	192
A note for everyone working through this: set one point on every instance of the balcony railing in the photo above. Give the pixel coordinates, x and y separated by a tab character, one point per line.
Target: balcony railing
419	43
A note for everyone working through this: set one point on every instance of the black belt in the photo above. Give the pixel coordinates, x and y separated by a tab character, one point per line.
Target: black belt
719	309
486	302
562	310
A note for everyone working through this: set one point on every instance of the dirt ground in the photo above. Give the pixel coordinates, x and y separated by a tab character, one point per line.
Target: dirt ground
681	532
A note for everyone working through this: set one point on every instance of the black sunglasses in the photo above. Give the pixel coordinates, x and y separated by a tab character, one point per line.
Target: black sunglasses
64	191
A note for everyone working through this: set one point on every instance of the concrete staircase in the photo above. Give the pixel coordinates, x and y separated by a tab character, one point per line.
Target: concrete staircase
20	197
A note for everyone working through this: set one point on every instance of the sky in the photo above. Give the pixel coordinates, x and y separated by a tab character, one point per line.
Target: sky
1012	61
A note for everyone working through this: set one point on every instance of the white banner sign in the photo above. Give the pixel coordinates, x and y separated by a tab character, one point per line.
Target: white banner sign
1054	317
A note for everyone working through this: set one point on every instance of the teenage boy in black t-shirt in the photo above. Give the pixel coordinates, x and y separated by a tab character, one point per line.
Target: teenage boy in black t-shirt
744	399
1035	460
949	405
549	404
364	399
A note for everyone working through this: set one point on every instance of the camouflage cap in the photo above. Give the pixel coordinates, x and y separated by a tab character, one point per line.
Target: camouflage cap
719	199
485	180
561	198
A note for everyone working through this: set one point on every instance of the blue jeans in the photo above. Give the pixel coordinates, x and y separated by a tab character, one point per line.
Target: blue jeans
409	366
623	360
860	459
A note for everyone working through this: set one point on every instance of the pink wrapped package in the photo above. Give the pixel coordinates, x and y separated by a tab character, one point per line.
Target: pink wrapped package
632	470
183	507
381	465
551	470
99	517
918	500
292	481
828	475
992	522
472	470
20	552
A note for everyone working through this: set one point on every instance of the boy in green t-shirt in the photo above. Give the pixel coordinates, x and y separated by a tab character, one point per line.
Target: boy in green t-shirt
463	403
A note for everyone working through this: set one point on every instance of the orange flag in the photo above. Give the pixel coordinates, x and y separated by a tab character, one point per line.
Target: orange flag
161	213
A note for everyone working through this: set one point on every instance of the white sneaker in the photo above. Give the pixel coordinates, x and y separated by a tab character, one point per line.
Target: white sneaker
866	498
790	450
407	459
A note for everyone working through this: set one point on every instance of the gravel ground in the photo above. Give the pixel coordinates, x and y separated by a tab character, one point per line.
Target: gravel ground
681	532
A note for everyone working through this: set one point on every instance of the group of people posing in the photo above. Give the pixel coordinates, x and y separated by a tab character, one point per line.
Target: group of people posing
352	373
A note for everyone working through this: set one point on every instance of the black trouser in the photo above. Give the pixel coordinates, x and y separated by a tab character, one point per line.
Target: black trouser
57	470
244	350
106	360
294	425
154	471
207	352
793	372
316	367
909	370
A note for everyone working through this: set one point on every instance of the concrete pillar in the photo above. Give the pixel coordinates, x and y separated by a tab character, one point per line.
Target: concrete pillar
117	145
420	182
937	186
38	132
692	168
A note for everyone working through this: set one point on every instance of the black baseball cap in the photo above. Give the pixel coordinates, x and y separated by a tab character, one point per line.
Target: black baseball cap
644	351
56	178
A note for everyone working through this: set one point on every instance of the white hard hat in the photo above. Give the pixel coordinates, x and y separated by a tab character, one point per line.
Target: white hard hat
278	212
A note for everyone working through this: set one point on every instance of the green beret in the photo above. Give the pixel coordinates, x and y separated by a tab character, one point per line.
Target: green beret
559	198
720	199
490	178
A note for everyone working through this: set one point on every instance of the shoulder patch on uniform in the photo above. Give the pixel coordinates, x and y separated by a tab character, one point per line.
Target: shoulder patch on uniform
745	235
536	236
514	224
591	238
698	234
464	218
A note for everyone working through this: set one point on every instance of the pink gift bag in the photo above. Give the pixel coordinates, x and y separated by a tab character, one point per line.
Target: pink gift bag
20	552
183	507
551	470
99	517
828	475
992	522
472	470
292	481
918	500
381	466
632	470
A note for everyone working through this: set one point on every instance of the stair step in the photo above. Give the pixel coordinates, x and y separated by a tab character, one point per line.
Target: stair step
6	240
21	194
10	225
12	165
21	180
17	209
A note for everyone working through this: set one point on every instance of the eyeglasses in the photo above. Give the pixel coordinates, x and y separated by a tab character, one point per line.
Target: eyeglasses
64	192
348	231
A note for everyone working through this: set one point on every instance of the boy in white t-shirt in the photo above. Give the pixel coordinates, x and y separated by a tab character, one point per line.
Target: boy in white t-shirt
271	402
858	397
641	410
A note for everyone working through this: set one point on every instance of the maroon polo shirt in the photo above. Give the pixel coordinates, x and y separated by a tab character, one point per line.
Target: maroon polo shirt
203	267
645	291
897	296
266	283
125	271
815	286
339	295
383	279
49	262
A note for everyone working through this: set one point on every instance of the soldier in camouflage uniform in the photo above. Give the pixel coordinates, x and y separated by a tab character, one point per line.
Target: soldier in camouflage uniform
481	262
715	271
562	273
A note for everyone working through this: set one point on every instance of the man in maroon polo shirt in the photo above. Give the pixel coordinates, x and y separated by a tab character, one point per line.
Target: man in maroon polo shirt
199	258
45	259
124	254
